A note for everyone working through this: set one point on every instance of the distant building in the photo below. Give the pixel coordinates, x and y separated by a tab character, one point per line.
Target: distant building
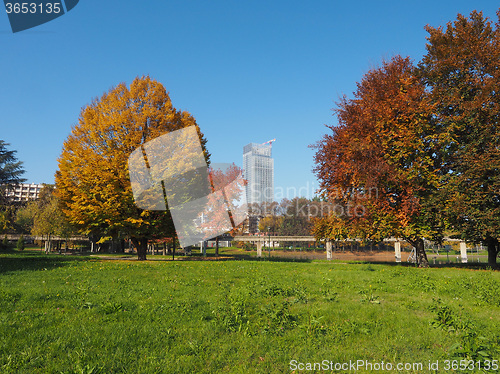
24	192
258	170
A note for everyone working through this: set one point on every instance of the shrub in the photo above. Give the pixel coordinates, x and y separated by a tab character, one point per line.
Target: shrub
5	242
20	243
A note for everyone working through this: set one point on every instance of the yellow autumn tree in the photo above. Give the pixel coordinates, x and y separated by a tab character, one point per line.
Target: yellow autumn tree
93	177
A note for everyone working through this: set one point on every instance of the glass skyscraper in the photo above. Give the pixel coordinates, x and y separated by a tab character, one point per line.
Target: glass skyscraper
258	170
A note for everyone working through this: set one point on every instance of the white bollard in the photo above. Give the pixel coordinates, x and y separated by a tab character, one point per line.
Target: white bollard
463	252
397	250
328	250
259	249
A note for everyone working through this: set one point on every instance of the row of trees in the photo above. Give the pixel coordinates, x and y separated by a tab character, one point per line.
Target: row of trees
415	154
418	146
41	217
289	217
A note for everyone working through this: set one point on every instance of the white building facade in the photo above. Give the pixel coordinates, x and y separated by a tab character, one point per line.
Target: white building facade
24	192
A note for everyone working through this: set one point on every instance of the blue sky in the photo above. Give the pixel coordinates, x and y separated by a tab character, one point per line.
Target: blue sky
249	71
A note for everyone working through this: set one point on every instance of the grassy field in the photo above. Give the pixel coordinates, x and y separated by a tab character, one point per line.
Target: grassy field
81	314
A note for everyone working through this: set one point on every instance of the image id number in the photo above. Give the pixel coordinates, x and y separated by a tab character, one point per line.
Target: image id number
471	365
32	8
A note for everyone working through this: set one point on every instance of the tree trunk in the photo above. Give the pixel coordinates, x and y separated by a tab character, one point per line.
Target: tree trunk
217	247
421	256
142	247
48	245
422	260
173	247
492	244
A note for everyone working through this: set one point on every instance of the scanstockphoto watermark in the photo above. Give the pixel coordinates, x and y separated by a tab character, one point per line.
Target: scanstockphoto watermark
310	190
358	193
364	365
315	209
324	209
309	209
357	365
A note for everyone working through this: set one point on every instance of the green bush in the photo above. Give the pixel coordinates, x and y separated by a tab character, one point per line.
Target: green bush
20	243
5	243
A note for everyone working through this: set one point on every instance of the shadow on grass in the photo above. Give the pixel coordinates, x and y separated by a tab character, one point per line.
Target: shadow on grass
11	260
239	257
248	257
471	266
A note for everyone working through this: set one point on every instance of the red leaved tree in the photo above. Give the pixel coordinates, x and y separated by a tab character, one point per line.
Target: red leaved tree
379	163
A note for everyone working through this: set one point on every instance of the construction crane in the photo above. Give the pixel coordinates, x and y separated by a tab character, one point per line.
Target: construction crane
270	142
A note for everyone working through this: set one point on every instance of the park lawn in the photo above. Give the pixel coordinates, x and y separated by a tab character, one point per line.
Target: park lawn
79	314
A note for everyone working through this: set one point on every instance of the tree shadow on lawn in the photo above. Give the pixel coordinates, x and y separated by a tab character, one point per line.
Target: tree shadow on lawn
273	258
470	266
15	260
245	257
242	257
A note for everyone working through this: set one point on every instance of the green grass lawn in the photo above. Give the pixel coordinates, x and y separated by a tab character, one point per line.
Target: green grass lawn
80	314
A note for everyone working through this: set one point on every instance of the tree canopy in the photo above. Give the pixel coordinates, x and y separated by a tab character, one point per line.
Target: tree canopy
377	163
93	178
462	73
11	170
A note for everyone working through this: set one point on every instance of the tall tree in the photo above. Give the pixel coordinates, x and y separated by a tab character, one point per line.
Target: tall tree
378	165
93	180
11	170
462	73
